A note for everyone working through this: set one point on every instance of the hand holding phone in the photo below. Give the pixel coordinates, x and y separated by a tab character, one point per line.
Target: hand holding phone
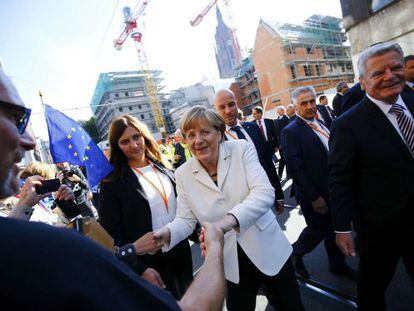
50	185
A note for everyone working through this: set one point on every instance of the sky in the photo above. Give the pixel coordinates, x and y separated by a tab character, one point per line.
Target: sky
60	47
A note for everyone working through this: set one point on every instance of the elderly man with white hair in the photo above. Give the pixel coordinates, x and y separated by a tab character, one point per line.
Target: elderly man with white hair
371	174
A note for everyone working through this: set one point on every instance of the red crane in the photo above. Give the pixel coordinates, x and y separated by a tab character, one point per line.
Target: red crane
130	20
200	16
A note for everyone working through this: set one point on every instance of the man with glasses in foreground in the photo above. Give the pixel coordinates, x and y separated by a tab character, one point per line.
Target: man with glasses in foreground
55	269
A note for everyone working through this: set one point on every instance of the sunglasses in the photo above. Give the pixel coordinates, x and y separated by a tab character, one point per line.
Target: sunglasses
20	114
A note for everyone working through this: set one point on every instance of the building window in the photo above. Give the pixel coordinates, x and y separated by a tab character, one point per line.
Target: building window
308	70
309	50
318	70
142	116
290	50
116	95
130	108
126	94
293	71
139	107
120	109
377	5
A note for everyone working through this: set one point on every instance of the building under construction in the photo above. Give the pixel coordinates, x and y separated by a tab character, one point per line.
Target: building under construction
119	93
287	56
246	87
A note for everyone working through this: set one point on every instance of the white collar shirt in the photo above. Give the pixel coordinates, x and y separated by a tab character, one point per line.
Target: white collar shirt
319	130
385	108
410	84
232	135
262	122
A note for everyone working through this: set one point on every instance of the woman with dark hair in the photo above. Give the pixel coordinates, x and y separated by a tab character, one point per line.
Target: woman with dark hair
139	197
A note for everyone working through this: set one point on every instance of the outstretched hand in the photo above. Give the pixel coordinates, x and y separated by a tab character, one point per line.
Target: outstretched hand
147	244
209	235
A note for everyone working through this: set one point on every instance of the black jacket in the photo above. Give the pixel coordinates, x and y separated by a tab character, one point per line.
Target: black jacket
126	215
371	171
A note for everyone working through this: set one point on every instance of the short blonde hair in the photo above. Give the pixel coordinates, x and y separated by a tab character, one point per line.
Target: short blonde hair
47	171
197	113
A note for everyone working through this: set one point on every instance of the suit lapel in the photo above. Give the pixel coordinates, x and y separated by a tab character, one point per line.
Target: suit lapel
202	176
223	165
380	122
132	181
408	99
311	133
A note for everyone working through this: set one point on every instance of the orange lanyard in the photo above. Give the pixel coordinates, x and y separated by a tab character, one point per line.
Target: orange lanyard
313	127
231	135
163	194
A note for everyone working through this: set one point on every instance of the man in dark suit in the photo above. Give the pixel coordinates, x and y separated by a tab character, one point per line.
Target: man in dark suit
371	174
352	97
226	107
409	73
280	123
325	112
341	88
305	145
291	112
267	128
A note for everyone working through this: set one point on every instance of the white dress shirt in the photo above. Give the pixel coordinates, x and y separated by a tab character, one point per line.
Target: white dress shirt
320	127
410	84
234	134
385	108
159	214
262	122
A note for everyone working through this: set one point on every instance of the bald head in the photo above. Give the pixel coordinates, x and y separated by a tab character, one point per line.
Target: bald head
8	91
226	106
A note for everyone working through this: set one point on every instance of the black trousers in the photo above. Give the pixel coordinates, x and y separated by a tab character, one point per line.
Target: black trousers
379	255
318	229
281	165
281	290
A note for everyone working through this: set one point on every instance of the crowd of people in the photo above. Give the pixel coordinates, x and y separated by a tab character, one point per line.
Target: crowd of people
216	183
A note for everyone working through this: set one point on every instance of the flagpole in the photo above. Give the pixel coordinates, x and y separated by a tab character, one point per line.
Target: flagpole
41	99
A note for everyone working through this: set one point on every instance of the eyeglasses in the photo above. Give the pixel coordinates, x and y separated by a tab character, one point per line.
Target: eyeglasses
20	114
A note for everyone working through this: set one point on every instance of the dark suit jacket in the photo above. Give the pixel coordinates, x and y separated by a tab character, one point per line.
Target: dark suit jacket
272	137
126	215
371	171
409	90
337	103
351	97
327	113
306	159
265	157
280	125
292	118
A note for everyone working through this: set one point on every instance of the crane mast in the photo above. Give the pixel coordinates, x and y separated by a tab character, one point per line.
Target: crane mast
130	20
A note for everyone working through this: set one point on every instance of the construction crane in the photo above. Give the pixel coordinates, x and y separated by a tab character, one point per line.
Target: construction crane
130	29
200	16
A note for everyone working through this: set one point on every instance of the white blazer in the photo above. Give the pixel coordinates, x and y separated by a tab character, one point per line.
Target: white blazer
244	191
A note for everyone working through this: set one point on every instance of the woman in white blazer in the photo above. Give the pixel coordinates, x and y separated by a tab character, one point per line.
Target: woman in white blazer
225	184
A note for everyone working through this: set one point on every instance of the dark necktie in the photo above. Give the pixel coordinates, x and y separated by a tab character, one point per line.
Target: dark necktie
261	129
239	132
406	125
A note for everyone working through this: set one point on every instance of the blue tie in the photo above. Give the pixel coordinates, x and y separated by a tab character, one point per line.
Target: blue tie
239	132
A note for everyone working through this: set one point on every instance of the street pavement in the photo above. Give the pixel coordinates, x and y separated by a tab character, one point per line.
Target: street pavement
400	295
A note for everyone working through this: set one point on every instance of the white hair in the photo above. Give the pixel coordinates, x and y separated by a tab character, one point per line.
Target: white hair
302	90
377	50
281	108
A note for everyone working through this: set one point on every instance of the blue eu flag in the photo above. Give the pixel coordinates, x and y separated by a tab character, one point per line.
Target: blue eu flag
70	143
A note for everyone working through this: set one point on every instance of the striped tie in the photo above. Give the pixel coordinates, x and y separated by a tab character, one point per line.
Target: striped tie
406	125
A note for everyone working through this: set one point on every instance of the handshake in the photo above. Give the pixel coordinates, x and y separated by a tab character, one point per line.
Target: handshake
152	242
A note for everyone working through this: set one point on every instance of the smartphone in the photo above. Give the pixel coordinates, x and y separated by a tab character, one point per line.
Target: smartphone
49	185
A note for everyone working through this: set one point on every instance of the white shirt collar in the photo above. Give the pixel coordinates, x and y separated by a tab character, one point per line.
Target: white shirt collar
306	120
237	124
385	107
410	84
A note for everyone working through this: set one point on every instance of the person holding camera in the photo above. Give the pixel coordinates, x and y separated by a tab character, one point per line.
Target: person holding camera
73	177
34	206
